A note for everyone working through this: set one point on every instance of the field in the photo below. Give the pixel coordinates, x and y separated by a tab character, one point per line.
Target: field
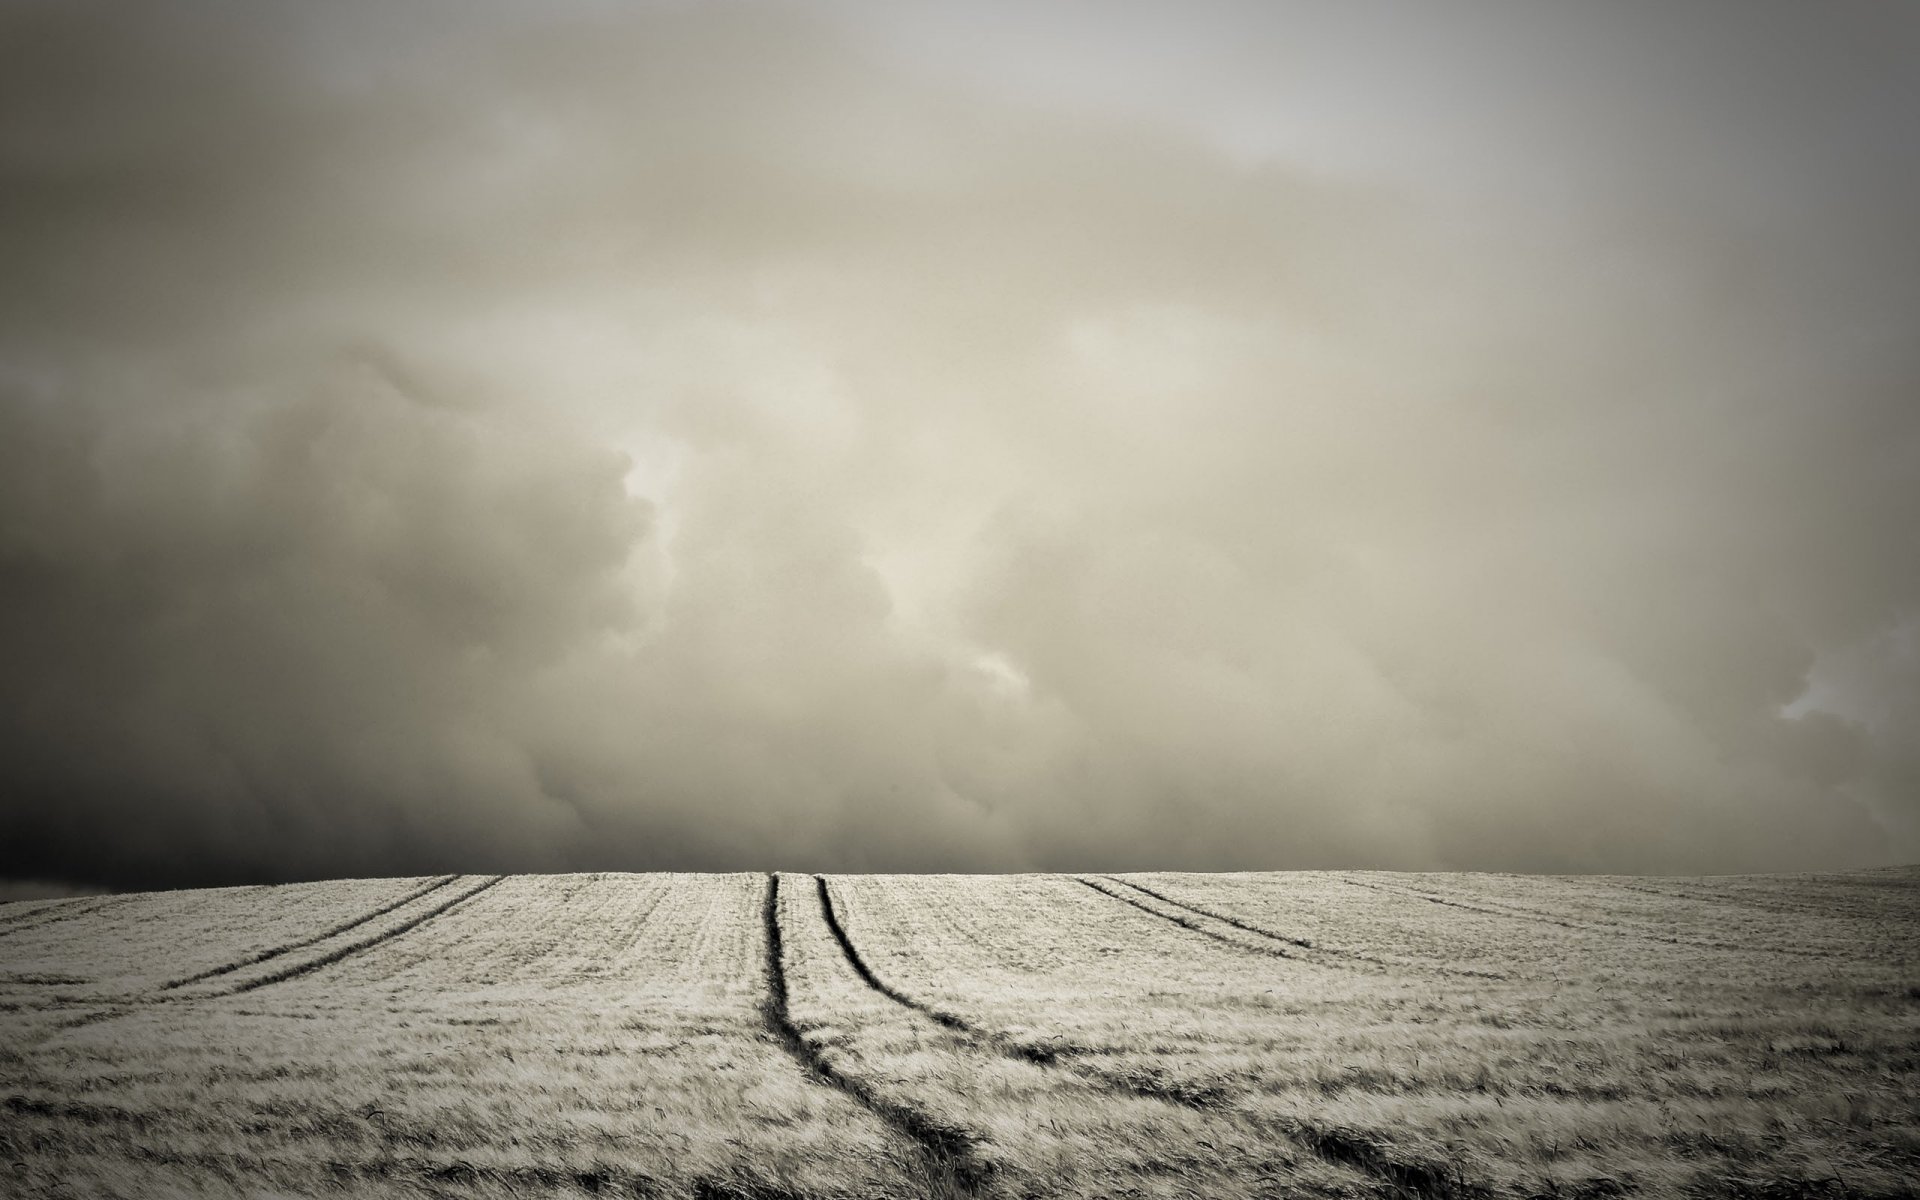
791	1035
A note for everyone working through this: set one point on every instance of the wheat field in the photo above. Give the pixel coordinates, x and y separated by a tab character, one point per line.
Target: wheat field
790	1035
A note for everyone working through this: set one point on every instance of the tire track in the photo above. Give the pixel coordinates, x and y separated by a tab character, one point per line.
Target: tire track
1831	907
19	912
290	947
40	918
112	1008
945	1153
1351	956
1237	923
1514	913
366	943
982	1038
1723	898
1409	894
1334	1144
1186	922
996	1041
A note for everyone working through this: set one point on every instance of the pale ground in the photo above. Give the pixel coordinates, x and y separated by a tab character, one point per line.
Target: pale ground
705	1036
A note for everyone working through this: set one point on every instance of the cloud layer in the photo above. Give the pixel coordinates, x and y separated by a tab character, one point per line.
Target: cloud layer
740	437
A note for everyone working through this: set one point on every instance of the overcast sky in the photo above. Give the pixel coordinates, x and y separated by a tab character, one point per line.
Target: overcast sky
957	436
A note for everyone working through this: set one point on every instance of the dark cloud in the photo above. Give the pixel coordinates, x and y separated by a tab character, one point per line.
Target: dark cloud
439	438
274	632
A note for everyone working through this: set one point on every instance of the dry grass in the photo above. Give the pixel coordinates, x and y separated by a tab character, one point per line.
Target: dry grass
1153	1035
1603	1058
553	1034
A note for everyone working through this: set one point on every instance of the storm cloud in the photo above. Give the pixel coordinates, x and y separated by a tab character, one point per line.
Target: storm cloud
440	437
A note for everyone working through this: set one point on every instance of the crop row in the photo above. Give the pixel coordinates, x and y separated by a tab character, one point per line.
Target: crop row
865	1036
1676	1077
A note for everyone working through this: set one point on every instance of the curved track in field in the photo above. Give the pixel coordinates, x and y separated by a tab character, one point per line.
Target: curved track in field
332	932
947	1156
698	1037
360	945
1330	1143
40	918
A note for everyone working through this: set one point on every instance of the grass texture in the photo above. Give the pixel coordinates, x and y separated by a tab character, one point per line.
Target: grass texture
787	1036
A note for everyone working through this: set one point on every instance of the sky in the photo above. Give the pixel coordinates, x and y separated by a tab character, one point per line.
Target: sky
941	436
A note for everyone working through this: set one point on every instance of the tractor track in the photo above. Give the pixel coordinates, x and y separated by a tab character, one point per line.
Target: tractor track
1189	923
40	918
1349	957
113	1007
1515	913
366	943
1347	1148
987	1037
1236	922
945	1153
952	1165
25	912
1820	906
302	944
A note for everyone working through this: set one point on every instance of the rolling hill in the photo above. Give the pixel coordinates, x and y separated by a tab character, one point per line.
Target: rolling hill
791	1035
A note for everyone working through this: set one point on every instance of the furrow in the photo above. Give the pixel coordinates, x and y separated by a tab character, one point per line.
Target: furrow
945	1153
336	931
366	943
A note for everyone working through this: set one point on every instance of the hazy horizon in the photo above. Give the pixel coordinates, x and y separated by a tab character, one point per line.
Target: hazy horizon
980	437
